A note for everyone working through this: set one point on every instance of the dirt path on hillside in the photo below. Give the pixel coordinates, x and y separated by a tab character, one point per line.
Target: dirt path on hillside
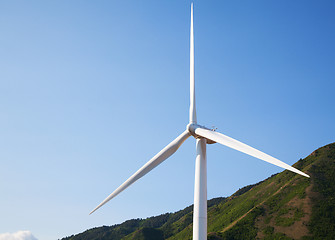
243	216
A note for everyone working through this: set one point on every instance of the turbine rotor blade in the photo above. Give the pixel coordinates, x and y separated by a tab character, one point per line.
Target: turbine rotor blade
151	164
239	146
193	115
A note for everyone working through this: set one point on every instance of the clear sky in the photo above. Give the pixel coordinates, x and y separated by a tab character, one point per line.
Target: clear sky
91	90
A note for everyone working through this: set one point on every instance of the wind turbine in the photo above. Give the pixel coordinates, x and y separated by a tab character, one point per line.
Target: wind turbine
203	136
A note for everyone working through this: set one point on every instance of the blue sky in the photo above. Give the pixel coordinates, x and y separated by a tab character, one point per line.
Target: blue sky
91	90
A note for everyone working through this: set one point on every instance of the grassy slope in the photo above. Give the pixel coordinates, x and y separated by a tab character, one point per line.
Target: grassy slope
284	206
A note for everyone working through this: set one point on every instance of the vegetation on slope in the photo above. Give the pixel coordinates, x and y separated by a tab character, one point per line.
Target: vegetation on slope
284	206
322	224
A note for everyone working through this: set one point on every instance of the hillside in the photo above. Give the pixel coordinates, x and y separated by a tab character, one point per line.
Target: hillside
284	206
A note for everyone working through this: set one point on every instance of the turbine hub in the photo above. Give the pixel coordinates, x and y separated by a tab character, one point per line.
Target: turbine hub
191	127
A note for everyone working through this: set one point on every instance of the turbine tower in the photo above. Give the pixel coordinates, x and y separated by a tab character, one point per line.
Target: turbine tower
203	136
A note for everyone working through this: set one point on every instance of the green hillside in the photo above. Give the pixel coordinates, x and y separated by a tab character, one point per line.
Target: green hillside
284	206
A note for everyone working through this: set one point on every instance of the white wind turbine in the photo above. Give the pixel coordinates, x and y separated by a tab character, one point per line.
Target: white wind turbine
203	136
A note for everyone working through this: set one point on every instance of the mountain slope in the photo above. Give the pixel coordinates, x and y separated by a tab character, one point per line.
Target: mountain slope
284	206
